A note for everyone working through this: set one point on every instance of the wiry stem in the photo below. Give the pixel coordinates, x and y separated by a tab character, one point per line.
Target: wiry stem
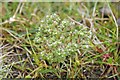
12	19
115	22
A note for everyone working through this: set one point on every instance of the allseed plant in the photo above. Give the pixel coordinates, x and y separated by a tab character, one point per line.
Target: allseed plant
58	38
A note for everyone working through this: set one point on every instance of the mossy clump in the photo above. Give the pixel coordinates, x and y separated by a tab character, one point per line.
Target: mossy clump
58	38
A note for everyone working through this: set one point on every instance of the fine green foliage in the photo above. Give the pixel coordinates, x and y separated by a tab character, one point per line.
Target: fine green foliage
56	38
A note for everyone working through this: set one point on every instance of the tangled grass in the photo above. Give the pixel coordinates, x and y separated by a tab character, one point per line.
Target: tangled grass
59	40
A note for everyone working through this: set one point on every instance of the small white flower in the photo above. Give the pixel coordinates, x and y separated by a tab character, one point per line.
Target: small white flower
47	16
42	21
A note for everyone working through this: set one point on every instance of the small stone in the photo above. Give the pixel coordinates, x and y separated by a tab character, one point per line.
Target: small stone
118	22
105	11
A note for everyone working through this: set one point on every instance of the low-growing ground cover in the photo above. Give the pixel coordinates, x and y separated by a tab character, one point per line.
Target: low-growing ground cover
59	40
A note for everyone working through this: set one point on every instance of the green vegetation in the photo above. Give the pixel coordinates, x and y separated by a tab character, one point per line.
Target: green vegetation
59	40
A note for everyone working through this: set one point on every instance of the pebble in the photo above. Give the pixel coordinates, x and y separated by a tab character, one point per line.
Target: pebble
105	11
118	21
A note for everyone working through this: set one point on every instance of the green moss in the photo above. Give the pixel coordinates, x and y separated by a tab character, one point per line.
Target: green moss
59	38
